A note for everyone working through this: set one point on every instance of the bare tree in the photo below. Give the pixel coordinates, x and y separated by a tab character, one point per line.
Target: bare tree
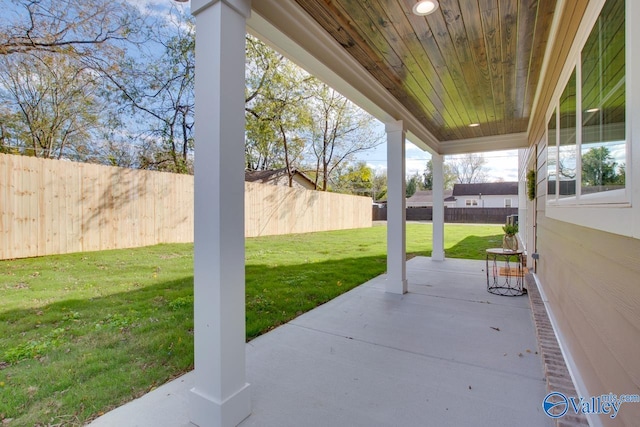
379	186
10	129
468	169
50	88
275	110
56	104
69	27
339	130
156	87
427	176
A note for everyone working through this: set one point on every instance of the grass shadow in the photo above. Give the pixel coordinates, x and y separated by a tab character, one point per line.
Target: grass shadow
67	362
89	332
473	247
277	294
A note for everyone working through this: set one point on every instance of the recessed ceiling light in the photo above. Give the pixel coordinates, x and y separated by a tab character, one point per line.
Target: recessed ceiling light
474	125
592	110
425	7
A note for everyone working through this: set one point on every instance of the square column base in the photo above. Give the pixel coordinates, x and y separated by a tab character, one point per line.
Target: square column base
397	287
437	256
208	412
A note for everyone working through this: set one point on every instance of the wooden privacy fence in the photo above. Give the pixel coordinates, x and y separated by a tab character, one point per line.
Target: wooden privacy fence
479	215
273	209
461	215
52	207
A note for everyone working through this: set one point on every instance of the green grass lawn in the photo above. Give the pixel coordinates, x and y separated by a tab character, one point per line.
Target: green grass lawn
83	333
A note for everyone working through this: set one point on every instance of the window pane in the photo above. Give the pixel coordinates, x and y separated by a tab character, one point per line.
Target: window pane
567	150
552	157
603	102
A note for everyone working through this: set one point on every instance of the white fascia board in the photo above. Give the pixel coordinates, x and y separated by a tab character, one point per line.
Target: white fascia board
486	143
285	26
555	25
415	140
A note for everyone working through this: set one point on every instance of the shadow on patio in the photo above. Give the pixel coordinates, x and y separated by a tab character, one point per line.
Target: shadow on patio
446	353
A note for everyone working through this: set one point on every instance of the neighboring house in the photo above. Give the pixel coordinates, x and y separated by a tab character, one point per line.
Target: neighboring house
280	177
424	198
486	195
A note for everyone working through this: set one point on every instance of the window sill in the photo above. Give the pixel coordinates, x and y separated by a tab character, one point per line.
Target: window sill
616	218
614	198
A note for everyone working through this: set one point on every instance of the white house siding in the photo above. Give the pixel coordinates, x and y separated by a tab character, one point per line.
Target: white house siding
486	201
591	281
590	276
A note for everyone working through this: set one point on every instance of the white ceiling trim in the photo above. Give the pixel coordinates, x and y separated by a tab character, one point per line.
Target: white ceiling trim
486	143
285	26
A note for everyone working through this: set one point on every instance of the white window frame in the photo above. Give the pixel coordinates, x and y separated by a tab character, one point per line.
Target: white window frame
611	211
471	203
510	202
619	197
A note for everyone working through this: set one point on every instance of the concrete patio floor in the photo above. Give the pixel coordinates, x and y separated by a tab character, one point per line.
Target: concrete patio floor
446	354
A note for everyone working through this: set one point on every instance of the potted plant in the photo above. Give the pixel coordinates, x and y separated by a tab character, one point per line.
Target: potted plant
510	241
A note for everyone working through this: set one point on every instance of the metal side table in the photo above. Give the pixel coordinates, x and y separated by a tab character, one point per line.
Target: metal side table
505	275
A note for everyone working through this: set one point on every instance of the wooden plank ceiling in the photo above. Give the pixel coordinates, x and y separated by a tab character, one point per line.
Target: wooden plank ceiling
472	61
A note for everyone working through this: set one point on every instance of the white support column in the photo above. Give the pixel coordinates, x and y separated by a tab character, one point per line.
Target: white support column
396	209
437	162
221	395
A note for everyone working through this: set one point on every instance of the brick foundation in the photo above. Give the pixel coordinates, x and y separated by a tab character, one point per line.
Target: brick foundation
555	368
